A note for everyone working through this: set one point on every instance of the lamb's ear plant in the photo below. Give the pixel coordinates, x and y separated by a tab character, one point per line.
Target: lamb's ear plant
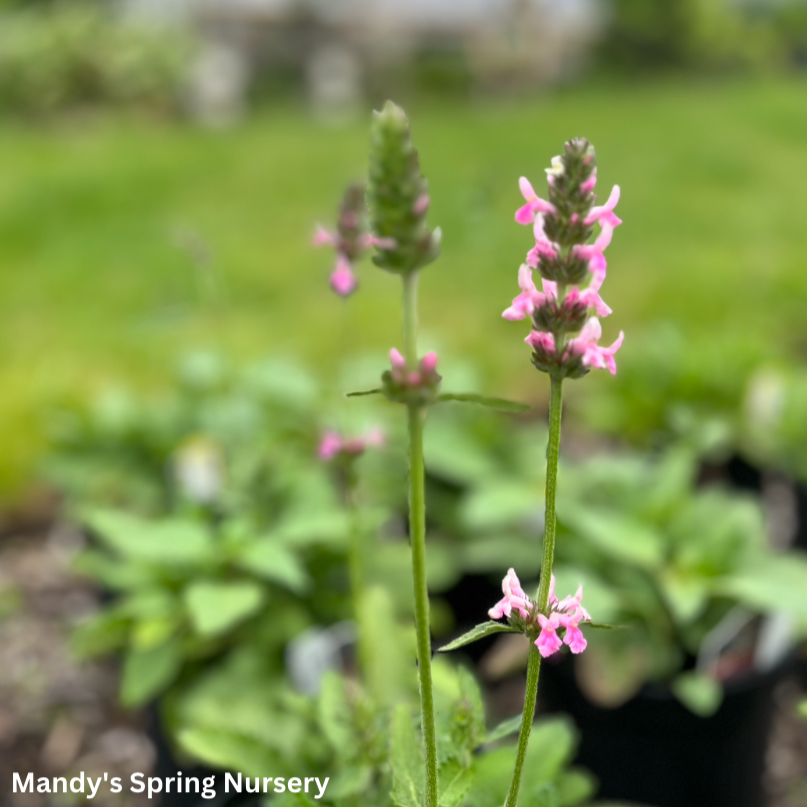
564	341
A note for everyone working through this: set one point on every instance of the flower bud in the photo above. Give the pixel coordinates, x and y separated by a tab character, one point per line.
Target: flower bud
397	195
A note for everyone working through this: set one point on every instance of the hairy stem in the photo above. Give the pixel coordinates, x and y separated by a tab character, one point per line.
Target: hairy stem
534	666
417	536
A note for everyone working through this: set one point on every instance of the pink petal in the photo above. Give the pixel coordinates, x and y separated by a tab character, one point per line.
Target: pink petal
605	213
421	204
343	281
575	639
526	189
525	214
397	360
541	340
429	362
323	237
330	445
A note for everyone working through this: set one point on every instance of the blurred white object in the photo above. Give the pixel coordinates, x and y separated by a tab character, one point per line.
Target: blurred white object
199	469
334	74
217	85
316	652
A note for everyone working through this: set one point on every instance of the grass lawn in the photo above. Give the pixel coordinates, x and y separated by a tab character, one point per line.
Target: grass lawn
94	290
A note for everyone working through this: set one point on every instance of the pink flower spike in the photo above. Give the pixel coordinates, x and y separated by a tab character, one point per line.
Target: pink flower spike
397	360
323	237
429	362
343	281
590	183
330	445
548	641
590	299
605	213
526	213
421	204
523	304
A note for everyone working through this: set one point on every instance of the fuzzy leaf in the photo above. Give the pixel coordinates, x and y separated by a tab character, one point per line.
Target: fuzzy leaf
477	633
500	404
408	783
455	782
504	729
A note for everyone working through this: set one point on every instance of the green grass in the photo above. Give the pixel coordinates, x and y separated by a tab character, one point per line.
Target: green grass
93	289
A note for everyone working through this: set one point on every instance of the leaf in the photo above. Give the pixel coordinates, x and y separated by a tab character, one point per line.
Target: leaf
273	561
306	527
620	536
171	541
504	729
334	716
365	392
501	404
477	633
111	572
229	751
576	787
146	673
408	778
216	607
700	693
101	633
455	782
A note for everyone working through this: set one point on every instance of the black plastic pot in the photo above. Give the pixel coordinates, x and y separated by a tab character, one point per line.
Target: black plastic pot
652	750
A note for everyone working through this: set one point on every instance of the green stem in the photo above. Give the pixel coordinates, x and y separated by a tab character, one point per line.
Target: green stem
417	535
534	666
355	549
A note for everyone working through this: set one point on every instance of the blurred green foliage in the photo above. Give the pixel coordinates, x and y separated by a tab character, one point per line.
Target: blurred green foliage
68	56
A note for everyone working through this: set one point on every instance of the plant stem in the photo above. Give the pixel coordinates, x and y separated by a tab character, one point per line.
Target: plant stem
534	665
417	536
354	559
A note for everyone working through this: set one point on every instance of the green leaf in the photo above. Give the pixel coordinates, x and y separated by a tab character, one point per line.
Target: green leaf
229	751
576	787
101	633
216	607
307	527
273	561
146	673
170	541
455	782
700	693
408	777
622	537
504	729
365	392
501	404
477	633
334	716
111	572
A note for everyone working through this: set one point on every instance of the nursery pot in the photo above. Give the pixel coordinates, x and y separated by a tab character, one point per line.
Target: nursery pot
653	750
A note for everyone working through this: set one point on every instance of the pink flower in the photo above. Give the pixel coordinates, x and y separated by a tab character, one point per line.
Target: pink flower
548	641
429	362
573	637
541	341
553	600
593	355
333	444
589	297
330	445
343	281
590	183
323	237
514	597
397	361
383	243
543	246
526	213
605	213
523	304
421	204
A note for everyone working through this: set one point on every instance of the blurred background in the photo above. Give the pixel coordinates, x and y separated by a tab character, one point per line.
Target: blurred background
162	166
